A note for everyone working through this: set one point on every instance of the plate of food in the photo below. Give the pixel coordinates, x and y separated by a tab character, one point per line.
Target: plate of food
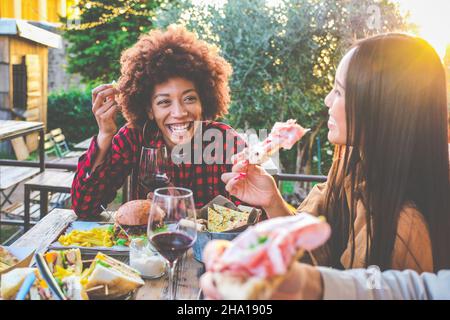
14	257
130	221
222	219
63	275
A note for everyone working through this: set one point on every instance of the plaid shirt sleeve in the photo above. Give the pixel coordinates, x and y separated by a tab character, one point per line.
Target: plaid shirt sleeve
90	190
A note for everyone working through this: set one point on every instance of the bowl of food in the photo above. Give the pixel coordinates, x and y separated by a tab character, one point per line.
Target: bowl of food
221	219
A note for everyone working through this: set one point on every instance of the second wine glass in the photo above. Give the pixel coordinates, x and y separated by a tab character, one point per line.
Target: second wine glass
152	170
171	226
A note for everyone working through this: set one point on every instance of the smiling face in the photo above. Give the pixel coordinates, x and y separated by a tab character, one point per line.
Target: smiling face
175	106
335	101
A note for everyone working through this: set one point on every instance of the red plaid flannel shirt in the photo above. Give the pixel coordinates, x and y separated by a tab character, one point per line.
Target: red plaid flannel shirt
90	190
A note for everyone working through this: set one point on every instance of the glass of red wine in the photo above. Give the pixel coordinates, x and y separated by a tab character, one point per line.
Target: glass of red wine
171	226
152	170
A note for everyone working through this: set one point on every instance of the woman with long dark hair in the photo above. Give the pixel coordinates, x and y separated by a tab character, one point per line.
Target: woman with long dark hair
387	194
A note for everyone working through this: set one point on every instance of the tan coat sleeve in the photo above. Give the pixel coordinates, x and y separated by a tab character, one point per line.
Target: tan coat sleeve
315	201
315	205
412	248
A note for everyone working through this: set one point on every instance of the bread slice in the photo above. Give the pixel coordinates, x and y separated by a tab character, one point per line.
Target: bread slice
110	278
233	287
12	281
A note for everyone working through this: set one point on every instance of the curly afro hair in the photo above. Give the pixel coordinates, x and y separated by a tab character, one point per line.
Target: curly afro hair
161	55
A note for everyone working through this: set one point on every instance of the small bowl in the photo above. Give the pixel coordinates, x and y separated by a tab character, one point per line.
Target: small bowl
204	237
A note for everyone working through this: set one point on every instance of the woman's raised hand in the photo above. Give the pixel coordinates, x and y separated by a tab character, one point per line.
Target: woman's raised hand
105	109
251	184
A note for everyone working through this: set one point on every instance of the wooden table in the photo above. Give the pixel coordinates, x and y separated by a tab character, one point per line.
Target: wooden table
187	272
10	129
83	145
14	172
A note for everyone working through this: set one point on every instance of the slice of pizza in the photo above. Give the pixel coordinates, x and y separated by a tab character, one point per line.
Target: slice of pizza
283	135
232	219
215	221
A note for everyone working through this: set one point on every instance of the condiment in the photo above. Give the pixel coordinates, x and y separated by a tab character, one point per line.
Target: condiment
144	259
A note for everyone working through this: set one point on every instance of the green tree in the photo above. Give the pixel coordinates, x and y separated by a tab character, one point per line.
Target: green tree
103	30
284	58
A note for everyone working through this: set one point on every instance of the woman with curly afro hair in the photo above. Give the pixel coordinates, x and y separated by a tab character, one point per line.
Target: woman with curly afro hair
172	87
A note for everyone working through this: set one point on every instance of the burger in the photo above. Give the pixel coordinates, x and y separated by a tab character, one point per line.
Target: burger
131	220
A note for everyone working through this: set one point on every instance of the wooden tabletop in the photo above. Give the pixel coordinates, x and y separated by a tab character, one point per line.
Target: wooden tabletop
10	175
187	273
52	179
11	128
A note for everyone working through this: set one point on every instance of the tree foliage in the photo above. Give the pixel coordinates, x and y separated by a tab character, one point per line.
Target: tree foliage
104	29
284	57
284	53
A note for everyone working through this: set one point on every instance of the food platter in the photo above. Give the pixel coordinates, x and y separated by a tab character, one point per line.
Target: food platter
91	250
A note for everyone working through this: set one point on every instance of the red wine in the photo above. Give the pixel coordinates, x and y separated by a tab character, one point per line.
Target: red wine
172	245
150	183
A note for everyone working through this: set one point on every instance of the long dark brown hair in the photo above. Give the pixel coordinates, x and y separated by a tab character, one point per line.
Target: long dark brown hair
396	152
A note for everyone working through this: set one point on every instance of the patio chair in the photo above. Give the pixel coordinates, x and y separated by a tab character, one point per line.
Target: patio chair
61	145
49	145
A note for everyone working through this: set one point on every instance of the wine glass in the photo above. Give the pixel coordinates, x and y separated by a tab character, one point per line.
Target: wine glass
171	226
152	170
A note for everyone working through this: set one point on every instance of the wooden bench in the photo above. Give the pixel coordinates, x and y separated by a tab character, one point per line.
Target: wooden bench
61	145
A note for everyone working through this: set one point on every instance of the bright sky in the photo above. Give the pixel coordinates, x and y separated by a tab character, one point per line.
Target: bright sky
433	20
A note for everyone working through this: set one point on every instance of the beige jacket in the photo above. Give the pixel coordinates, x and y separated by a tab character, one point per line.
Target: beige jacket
412	247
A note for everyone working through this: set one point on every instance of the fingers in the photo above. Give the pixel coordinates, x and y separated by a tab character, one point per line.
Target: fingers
100	88
239	156
227	176
241	166
207	284
111	112
106	107
100	98
233	183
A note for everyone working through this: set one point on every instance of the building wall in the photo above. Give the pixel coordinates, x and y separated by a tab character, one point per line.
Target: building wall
35	10
58	78
7	9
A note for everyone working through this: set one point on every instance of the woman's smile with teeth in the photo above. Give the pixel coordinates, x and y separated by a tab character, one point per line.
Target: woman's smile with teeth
179	127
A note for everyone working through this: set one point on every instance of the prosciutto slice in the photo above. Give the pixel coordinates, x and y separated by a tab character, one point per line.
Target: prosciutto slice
283	135
268	248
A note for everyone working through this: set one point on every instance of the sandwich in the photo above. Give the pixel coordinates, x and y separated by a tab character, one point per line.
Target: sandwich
109	278
13	280
256	262
64	262
131	220
7	260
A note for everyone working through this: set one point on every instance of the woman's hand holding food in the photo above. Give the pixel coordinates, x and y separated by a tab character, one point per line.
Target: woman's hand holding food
104	108
302	282
253	185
